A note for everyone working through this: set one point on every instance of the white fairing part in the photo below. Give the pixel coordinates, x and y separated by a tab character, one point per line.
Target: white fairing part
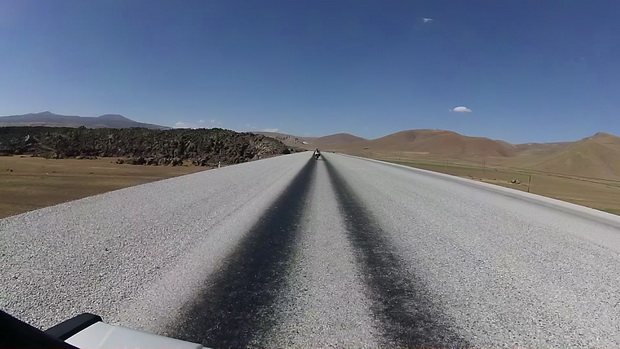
103	336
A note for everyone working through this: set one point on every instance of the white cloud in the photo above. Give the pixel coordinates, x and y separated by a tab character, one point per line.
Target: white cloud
181	124
201	121
427	20
461	110
270	130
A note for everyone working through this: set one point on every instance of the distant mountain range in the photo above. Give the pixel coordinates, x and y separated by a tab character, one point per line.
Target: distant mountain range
597	156
337	139
50	119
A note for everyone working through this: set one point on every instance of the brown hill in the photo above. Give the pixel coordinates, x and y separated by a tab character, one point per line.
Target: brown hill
541	148
329	141
335	140
432	144
596	157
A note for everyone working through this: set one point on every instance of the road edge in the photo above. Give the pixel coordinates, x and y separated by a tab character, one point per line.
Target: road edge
567	207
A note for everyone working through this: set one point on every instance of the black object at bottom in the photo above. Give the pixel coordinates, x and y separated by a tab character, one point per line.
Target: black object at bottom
68	328
15	334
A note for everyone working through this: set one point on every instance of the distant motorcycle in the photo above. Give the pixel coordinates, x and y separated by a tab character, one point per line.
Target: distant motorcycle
317	154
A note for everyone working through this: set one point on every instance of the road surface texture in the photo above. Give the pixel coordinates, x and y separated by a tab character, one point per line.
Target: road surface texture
337	252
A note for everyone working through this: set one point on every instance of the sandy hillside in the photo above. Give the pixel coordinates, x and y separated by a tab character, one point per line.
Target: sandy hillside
432	143
597	157
330	141
338	139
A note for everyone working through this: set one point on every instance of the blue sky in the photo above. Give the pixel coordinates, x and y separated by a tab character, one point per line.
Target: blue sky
529	71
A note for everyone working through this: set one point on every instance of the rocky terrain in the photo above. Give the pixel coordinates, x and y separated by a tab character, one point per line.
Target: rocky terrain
202	147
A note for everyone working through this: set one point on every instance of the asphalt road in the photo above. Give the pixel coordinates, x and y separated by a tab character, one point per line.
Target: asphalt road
339	252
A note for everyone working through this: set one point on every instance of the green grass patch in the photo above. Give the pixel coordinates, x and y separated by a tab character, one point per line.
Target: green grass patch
615	211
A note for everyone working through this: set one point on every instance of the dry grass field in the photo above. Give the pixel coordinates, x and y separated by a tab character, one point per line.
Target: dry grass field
30	183
595	193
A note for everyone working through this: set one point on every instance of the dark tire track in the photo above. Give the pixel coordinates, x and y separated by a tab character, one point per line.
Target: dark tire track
401	304
235	310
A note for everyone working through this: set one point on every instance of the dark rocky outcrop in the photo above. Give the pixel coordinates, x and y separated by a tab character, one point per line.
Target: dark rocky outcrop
204	147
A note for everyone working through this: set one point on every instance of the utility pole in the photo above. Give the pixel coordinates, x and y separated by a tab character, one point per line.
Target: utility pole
529	182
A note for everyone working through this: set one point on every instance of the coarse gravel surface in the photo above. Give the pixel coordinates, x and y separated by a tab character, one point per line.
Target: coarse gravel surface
324	265
337	252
